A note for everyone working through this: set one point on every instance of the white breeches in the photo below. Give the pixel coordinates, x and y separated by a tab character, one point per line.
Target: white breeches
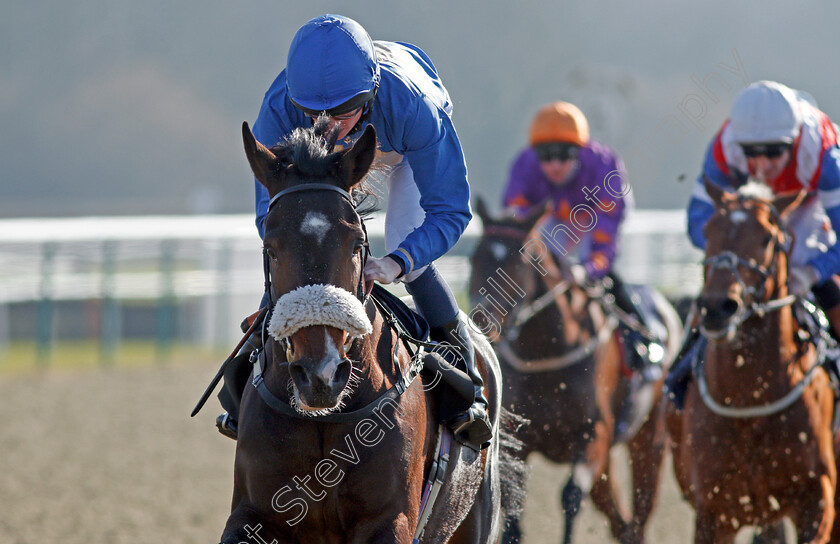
403	213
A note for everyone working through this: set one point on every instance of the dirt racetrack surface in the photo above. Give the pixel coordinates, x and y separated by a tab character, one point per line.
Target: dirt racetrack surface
113	457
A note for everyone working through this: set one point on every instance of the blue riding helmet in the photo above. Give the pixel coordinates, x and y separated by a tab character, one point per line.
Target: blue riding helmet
331	66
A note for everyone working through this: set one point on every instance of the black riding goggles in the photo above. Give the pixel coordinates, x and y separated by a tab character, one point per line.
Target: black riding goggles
559	151
771	151
351	105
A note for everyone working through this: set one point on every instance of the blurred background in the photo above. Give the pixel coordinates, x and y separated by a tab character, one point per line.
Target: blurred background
126	202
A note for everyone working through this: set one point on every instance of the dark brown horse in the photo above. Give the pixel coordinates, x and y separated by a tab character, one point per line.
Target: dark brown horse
562	365
753	442
338	434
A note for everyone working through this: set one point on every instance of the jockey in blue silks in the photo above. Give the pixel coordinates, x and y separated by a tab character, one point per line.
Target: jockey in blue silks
335	69
778	136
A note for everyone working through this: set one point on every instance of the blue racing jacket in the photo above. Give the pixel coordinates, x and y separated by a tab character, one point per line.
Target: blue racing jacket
411	115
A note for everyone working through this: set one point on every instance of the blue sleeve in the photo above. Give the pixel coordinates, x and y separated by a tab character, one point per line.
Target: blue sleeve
828	190
273	124
701	207
434	153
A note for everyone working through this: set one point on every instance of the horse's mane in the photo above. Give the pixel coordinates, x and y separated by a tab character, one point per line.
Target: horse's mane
311	150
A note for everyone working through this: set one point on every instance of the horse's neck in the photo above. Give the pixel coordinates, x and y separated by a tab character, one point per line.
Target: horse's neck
759	356
562	326
772	335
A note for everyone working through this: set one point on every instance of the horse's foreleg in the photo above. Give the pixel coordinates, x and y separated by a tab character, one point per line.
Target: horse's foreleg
647	449
771	534
570	499
710	529
595	479
606	498
814	523
512	531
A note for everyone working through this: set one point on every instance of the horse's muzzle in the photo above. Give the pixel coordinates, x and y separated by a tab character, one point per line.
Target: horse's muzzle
319	384
717	312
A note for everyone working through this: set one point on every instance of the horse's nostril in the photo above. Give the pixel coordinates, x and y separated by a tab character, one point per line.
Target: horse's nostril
298	374
342	371
729	307
718	309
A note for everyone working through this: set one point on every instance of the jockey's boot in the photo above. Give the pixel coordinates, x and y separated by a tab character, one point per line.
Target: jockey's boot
236	376
676	382
645	357
472	427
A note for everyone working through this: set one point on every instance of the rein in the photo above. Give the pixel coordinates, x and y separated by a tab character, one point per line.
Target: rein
556	363
576	355
766	409
756	411
404	379
729	261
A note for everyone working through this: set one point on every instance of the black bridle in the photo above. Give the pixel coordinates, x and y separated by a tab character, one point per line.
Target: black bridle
731	262
404	378
360	291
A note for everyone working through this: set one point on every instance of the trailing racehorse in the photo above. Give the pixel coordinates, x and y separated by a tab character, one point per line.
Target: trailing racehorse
339	440
562	358
753	443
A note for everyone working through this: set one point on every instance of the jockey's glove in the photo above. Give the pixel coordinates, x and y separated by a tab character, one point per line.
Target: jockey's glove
801	279
579	274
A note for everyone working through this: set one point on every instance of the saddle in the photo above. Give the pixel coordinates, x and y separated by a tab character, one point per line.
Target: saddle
643	340
642	335
454	393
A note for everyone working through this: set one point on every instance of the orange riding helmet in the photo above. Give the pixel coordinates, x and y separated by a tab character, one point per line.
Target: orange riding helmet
559	122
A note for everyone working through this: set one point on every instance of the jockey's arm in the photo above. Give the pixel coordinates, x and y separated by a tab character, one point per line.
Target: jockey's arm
434	153
700	207
828	191
276	120
526	186
604	237
610	211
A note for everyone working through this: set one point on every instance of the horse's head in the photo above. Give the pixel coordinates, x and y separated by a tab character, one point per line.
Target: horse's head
500	249
315	248
746	255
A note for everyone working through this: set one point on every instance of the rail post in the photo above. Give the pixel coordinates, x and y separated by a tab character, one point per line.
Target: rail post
45	321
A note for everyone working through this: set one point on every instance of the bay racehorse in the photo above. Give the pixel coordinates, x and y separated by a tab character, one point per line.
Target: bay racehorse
338	431
753	442
562	363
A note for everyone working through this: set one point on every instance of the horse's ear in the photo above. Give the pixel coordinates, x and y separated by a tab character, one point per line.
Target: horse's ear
482	211
536	213
356	161
259	157
786	203
715	192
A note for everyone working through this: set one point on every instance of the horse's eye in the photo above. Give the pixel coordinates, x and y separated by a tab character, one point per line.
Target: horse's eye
271	254
358	246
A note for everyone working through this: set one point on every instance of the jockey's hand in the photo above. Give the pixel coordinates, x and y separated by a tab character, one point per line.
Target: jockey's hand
384	270
579	274
801	279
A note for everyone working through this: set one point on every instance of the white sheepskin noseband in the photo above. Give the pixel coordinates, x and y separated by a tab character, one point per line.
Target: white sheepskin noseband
318	305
